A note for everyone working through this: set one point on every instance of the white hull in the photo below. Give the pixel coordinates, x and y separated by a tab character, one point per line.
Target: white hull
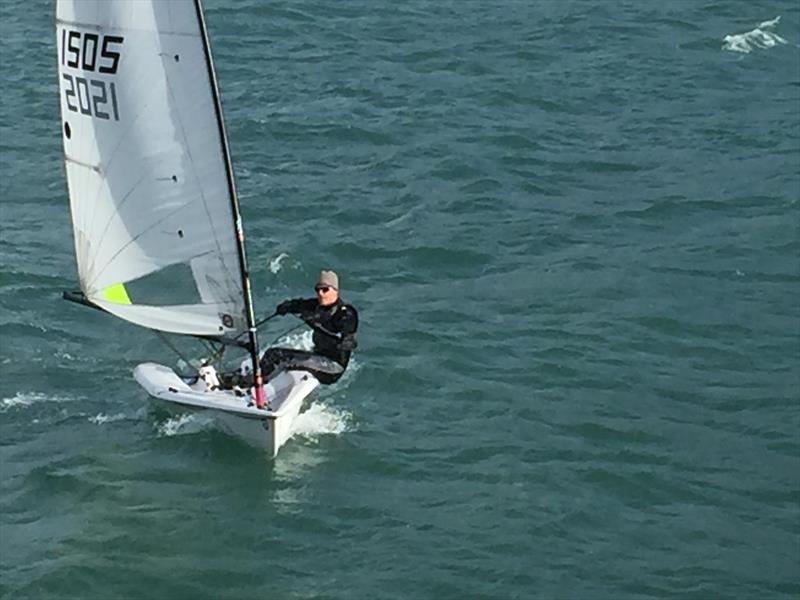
268	429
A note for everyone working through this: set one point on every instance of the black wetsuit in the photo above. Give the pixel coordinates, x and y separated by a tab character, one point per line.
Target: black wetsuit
334	328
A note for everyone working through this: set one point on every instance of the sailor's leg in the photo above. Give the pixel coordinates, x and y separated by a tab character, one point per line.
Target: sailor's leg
274	360
283	359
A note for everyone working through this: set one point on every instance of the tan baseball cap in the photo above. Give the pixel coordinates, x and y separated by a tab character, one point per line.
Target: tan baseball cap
329	278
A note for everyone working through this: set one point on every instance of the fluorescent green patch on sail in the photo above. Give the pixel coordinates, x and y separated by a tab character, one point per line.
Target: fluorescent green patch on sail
117	294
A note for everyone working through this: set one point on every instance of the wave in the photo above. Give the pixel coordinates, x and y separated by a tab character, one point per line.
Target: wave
760	37
25	399
275	263
185	424
303	340
321	419
102	418
22	399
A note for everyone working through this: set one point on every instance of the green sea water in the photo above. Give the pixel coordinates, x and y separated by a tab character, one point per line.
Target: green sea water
572	231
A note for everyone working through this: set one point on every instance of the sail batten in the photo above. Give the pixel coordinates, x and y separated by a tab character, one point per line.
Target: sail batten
148	169
78	162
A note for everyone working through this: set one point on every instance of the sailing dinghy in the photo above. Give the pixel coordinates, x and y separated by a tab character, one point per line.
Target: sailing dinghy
158	234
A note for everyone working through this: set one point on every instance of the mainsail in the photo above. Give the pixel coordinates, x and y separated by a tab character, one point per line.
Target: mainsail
153	202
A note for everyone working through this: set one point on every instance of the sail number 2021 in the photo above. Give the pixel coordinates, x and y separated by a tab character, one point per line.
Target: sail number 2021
90	53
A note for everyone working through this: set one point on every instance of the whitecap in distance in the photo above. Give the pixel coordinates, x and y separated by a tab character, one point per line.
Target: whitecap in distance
762	36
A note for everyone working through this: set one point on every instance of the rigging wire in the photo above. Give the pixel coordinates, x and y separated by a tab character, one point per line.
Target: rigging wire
215	354
172	347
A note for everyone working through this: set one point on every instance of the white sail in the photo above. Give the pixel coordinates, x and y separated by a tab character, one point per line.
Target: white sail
151	193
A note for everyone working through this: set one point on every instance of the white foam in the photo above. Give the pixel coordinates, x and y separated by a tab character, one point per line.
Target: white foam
303	340
404	217
321	419
344	382
102	418
23	399
275	263
184	424
760	37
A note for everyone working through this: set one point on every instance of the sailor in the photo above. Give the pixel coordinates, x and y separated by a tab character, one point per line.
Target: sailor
334	323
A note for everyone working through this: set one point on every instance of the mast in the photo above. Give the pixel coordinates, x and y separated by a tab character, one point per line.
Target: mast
258	382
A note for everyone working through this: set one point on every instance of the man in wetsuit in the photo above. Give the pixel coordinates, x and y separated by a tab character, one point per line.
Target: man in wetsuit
334	323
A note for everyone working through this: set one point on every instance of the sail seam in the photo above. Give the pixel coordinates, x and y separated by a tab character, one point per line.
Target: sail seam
115	214
104	176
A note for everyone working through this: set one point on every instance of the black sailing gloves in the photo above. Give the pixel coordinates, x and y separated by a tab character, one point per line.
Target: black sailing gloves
287	307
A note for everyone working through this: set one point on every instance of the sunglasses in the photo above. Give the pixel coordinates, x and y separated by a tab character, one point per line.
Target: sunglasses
323	288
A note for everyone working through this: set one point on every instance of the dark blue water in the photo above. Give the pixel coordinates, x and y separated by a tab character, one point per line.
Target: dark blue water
572	232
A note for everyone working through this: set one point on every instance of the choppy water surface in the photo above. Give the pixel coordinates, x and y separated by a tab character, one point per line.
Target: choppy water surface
571	229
